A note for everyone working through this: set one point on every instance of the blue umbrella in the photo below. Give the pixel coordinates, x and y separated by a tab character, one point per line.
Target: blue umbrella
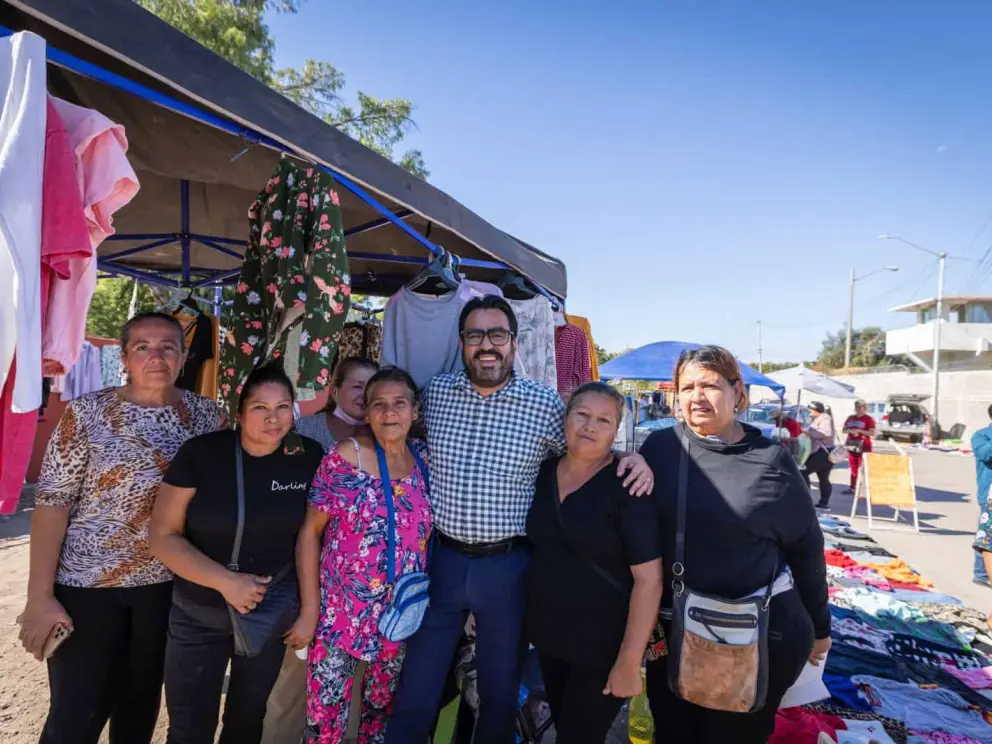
657	362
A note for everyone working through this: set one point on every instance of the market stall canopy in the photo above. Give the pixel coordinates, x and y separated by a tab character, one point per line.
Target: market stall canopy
657	362
117	58
802	378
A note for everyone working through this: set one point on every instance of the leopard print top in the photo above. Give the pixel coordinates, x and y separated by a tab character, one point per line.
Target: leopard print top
105	461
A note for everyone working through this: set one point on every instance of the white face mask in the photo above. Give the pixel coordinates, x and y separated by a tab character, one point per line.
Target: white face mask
346	418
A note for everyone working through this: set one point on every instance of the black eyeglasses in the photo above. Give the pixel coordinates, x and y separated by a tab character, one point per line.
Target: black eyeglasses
497	336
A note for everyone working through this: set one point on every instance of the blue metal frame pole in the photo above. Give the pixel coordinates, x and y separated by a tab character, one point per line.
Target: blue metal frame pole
184	236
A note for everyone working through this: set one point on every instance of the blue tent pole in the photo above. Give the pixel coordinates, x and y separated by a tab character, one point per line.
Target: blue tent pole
184	233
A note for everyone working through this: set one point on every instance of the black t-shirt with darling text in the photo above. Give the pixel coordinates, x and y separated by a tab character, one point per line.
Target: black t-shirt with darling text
276	488
573	612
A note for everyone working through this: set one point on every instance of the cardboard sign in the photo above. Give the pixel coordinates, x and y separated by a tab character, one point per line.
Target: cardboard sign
889	480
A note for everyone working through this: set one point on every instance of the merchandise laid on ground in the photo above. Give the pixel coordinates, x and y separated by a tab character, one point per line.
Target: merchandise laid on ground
908	664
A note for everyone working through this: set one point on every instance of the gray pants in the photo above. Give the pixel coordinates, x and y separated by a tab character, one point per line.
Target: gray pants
286	711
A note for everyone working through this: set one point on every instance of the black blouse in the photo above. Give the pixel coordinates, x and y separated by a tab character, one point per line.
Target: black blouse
574	612
747	511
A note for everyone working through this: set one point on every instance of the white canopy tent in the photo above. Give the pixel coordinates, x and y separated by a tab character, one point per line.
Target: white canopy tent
799	379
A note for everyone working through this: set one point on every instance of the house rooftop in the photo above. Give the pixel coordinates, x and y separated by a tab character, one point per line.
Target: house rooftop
949	302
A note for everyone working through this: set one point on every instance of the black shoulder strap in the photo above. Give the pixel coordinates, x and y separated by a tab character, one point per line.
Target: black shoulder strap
239	532
678	568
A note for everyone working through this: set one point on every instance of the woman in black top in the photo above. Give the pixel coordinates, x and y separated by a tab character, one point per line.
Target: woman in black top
193	530
749	517
595	576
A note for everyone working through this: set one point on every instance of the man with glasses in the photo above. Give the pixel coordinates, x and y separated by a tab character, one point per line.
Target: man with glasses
488	431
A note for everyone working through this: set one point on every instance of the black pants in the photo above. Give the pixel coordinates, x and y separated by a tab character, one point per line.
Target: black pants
110	668
581	712
819	463
789	644
200	646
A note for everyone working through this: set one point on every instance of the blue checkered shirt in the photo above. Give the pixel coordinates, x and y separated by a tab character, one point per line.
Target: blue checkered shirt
486	452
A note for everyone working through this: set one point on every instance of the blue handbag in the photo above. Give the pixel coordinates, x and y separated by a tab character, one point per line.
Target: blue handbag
410	597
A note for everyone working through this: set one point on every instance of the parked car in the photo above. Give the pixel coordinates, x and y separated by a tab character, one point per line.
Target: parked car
901	416
760	415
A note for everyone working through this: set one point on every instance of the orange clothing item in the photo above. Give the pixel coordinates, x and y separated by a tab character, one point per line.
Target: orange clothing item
897	570
583	325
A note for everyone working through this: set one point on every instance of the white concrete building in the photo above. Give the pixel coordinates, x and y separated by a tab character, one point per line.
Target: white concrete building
965	333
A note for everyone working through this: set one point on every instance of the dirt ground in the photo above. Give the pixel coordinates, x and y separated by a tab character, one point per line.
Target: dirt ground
23	681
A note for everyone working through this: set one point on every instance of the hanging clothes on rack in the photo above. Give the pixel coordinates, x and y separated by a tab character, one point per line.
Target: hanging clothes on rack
85	377
107	182
536	339
22	155
572	355
295	268
360	339
583	324
110	365
199	373
64	238
420	333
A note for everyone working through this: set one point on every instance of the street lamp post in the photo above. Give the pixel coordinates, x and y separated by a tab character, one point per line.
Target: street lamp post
850	308
941	260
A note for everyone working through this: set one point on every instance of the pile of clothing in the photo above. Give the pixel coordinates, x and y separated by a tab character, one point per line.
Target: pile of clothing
908	664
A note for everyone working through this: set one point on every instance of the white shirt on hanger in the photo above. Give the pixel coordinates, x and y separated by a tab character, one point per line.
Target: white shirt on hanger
23	113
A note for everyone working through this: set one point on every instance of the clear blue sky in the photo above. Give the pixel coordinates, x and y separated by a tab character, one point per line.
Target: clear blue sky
699	165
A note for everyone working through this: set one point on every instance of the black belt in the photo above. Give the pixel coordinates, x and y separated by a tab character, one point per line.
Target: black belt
481	550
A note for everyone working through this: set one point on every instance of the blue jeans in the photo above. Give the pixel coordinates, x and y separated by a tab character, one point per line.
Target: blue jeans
493	590
980	574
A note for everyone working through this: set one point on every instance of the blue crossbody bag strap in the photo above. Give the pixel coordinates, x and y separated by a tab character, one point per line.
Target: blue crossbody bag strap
387	488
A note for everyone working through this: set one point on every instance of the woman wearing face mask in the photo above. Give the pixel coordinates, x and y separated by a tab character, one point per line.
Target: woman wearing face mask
859	428
91	571
193	532
342	554
344	414
595	574
749	530
342	418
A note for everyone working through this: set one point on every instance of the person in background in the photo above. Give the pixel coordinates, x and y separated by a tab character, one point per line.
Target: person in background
193	533
657	408
859	429
341	418
344	414
343	551
821	431
594	584
488	431
981	446
91	569
748	521
784	421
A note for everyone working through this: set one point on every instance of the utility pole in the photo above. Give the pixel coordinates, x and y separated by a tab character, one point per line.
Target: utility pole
850	321
761	361
942	258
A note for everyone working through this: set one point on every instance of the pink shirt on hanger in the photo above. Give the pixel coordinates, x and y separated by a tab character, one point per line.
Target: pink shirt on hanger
106	183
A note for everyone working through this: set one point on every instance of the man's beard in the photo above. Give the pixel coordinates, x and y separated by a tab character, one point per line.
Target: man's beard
489	377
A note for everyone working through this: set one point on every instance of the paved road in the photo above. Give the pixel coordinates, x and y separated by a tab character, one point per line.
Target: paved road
945	492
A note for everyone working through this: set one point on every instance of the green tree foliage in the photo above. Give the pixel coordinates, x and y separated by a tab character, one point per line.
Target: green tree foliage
867	349
110	304
605	356
236	30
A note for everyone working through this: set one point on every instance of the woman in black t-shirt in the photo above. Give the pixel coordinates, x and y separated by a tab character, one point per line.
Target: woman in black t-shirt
193	531
749	520
595	577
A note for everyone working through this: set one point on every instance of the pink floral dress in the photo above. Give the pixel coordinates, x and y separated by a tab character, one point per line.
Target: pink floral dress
354	591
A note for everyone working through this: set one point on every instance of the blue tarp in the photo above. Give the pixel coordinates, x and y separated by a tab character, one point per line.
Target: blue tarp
657	362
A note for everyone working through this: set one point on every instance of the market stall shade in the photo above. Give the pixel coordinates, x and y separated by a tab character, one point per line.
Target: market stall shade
657	362
205	136
801	378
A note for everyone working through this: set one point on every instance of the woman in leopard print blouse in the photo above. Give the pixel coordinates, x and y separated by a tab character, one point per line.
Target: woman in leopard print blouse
91	568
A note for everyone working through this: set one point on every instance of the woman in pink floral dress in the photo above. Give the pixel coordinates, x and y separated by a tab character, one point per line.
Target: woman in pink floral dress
342	557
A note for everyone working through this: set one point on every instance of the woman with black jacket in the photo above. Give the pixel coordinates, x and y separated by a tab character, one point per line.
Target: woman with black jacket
749	520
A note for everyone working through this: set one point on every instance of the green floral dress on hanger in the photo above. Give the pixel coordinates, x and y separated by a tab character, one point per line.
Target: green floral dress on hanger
295	272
